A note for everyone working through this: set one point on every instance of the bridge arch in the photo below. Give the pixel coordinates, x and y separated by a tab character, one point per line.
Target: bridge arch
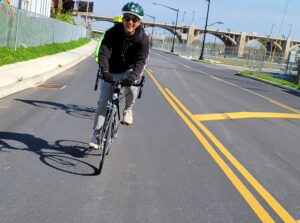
226	39
178	34
255	43
271	45
229	38
198	37
294	48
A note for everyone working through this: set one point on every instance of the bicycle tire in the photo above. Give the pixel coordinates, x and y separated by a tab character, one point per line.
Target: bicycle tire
103	140
114	128
109	137
115	125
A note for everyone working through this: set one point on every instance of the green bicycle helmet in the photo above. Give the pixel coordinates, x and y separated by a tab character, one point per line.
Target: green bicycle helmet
118	19
133	8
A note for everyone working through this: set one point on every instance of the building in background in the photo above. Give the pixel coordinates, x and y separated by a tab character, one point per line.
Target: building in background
68	5
77	5
83	6
41	7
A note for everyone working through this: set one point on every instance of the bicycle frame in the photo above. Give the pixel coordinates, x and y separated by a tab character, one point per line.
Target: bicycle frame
111	123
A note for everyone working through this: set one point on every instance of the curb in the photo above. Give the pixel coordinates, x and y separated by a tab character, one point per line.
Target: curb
39	78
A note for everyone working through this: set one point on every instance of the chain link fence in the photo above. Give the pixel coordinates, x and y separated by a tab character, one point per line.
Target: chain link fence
253	58
20	27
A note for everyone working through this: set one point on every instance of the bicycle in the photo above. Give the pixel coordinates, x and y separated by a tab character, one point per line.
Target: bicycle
112	118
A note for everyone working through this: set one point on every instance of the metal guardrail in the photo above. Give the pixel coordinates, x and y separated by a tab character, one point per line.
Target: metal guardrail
20	27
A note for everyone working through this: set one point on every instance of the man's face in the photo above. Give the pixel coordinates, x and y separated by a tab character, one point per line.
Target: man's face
130	22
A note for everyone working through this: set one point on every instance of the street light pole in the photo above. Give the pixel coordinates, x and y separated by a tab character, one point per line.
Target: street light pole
271	41
215	43
272	29
172	49
290	25
193	17
183	18
205	30
175	28
153	24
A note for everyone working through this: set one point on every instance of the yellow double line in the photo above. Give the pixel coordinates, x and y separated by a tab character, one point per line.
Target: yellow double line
238	115
194	125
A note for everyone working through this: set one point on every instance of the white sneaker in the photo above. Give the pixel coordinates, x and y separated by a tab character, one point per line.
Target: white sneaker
127	117
93	144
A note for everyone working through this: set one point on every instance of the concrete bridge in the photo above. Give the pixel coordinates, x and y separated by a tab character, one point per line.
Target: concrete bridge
230	39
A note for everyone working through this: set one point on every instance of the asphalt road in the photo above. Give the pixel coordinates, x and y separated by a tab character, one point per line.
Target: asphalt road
206	146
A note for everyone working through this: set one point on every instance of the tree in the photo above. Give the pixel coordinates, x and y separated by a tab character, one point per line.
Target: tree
63	16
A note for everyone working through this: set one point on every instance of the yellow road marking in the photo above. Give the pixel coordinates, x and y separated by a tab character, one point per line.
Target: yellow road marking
282	213
252	92
238	115
243	190
269	99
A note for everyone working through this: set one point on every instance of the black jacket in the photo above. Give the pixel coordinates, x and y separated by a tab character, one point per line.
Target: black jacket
120	52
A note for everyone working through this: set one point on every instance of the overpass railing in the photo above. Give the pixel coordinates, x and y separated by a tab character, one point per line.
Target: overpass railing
20	27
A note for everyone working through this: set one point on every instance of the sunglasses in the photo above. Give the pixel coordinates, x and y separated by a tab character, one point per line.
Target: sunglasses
133	18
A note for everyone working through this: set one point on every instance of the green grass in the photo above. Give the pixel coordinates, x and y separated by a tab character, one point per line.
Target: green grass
272	79
8	55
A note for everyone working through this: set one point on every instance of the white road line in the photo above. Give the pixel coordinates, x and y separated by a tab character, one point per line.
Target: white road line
184	65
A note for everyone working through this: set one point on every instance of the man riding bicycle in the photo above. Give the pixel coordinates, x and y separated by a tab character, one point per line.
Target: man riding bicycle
123	54
117	19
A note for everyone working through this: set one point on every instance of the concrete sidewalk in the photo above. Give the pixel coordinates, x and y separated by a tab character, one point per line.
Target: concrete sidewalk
20	76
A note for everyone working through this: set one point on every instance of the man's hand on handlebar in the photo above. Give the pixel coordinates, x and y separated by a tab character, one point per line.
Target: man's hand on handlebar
129	80
108	77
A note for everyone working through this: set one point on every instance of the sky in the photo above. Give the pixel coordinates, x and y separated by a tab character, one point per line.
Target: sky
258	16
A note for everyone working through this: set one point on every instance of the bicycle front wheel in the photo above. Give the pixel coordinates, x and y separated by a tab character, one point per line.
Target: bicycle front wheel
110	132
104	138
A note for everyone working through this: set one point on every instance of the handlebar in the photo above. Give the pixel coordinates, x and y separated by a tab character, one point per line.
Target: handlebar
117	81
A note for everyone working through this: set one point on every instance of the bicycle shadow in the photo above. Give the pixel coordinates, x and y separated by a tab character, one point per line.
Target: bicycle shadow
64	155
80	111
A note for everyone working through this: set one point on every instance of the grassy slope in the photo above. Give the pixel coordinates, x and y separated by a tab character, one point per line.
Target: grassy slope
9	55
272	79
